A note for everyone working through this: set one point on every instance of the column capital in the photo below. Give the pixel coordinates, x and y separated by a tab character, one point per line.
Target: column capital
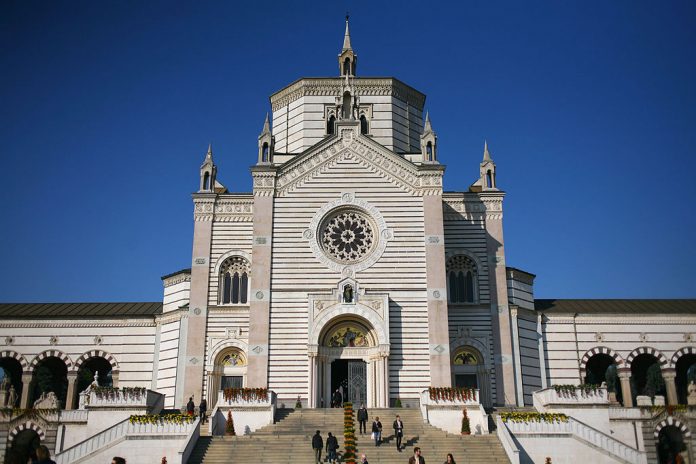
669	373
624	373
72	376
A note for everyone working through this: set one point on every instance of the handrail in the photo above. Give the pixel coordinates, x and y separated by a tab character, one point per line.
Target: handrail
190	444
93	443
513	453
118	432
581	431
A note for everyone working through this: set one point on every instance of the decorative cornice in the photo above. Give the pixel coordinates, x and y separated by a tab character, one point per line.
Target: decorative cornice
352	146
25	324
177	279
619	319
472	206
234	209
264	182
386	86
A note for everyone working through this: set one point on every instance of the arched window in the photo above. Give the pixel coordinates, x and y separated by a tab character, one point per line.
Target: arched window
346	66
489	179
363	124
206	181
331	125
264	153
234	281
346	106
429	151
462	279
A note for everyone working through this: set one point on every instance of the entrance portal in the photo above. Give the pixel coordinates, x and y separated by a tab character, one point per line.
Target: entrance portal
350	375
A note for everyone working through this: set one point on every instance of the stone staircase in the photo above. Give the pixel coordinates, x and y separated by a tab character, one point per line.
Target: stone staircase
289	441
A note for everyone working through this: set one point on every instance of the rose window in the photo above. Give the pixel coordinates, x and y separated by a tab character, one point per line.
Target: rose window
348	236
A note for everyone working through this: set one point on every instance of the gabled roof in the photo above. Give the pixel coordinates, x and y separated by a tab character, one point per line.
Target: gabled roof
616	306
79	310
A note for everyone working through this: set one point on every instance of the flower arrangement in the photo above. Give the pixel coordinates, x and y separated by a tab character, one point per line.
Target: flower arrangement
466	426
245	394
571	390
526	417
229	424
671	409
157	419
451	393
115	392
349	456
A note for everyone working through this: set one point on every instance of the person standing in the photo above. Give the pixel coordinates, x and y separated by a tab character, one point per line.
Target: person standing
362	418
398	431
317	446
450	459
203	408
190	407
377	431
43	455
331	447
416	458
337	399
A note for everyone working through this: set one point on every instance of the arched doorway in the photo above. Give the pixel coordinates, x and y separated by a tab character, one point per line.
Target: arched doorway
229	371
348	358
11	381
686	373
24	445
469	370
646	376
670	442
50	375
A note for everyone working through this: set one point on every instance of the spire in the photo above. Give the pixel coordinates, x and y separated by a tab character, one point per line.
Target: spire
486	154
209	155
428	127
346	37
208	172
266	125
347	59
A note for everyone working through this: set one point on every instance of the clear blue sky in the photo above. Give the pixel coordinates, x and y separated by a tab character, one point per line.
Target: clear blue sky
106	110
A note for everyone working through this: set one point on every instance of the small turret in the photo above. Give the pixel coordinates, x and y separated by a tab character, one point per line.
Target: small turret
347	59
487	179
266	144
428	142
208	172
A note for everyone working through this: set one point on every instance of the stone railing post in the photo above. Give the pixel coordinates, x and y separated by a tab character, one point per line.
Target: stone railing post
70	397
27	384
669	376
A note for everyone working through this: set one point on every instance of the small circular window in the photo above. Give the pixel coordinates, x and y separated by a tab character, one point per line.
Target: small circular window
347	236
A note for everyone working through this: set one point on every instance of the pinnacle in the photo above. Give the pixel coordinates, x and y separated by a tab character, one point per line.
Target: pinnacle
266	125
346	37
486	154
428	127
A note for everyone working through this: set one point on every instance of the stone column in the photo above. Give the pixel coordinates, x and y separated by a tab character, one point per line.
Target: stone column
213	388
27	384
438	324
114	378
70	397
625	379
192	331
517	360
669	376
260	297
312	387
385	370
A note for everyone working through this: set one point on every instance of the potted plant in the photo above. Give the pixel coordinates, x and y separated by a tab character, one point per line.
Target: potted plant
298	403
466	426
229	426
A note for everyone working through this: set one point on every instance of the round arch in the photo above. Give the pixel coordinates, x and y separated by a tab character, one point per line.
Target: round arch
220	347
664	362
97	354
229	254
215	372
50	354
472	375
28	425
465	252
674	422
339	323
600	350
14	355
357	311
679	353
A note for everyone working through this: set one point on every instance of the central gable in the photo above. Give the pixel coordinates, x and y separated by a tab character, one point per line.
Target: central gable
351	145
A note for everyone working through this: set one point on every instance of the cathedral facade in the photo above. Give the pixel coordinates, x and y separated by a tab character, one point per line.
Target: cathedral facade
347	267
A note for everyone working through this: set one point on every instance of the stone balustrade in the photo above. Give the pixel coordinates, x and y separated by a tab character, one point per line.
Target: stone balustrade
239	402
550	398
580	431
447	414
147	399
104	439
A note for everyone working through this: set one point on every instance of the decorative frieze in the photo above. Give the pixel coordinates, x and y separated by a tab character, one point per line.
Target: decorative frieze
334	86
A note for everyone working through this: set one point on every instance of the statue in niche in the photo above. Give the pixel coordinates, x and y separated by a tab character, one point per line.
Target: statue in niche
95	381
348	294
691	400
47	401
12	397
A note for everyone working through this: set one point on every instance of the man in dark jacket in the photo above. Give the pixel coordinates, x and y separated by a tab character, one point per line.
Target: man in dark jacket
362	418
337	399
331	447
416	458
203	409
398	431
190	407
317	446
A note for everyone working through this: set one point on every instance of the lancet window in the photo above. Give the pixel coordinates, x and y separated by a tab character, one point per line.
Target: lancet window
234	281
462	279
